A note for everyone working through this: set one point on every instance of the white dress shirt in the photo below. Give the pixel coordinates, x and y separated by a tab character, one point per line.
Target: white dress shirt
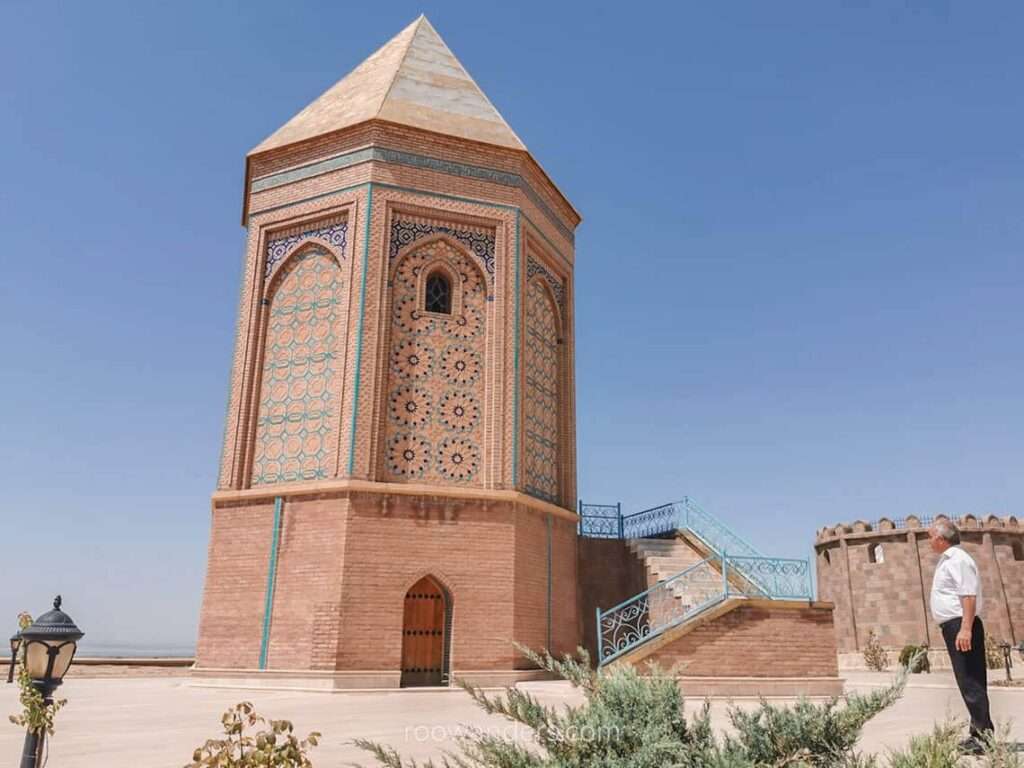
956	576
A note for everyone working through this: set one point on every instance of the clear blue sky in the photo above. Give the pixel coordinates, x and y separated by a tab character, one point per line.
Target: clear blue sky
799	276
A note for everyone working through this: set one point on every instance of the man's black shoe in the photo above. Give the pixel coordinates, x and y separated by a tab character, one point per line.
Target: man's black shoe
971	746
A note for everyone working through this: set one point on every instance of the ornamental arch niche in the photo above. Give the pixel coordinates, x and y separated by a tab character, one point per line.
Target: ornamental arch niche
543	381
298	405
433	419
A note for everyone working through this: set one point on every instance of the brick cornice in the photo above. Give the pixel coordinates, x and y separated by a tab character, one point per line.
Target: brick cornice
345	486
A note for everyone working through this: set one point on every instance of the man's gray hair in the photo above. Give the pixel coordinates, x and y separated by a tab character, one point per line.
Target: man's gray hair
948	531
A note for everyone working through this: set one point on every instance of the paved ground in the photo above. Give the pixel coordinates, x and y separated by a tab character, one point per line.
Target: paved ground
156	722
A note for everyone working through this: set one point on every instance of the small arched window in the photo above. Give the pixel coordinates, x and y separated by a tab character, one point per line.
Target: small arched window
439	293
876	554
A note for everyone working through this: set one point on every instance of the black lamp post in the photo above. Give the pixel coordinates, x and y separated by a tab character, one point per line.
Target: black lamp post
49	645
1007	659
15	644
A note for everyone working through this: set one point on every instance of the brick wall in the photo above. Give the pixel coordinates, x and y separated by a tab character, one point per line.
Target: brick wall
756	640
608	574
891	595
231	620
346	561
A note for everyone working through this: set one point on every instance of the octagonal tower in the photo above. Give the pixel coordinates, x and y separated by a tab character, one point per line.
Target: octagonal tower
396	492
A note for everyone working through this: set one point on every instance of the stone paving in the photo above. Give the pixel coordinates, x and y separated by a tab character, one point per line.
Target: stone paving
156	722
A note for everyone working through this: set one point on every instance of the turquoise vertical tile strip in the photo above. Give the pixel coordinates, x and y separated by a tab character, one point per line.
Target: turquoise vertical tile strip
515	364
268	600
359	330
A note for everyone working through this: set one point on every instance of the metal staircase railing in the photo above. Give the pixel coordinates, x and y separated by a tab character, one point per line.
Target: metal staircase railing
692	591
695	589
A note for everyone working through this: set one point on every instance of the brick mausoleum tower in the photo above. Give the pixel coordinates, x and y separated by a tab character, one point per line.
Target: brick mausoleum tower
396	493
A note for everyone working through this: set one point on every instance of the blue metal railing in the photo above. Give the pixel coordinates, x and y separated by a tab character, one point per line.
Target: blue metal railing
733	567
692	591
599	521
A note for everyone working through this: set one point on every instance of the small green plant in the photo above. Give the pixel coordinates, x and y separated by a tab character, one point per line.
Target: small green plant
875	656
36	714
273	746
1001	751
634	720
939	749
993	653
915	657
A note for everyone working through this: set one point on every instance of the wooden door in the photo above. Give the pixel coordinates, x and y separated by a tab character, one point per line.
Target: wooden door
423	639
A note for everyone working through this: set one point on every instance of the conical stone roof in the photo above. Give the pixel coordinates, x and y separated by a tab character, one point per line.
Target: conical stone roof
414	80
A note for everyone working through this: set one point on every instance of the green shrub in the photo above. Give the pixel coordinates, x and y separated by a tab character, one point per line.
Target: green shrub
875	656
993	653
629	720
916	658
272	747
939	749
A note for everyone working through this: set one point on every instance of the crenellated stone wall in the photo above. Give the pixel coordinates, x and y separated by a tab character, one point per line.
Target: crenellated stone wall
879	577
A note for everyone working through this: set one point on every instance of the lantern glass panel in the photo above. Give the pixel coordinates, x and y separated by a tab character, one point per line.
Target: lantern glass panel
63	660
37	659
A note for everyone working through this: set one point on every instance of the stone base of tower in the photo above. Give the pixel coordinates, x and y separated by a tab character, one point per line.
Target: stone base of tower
329	586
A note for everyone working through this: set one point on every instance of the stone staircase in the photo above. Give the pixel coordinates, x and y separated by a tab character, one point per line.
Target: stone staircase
665	558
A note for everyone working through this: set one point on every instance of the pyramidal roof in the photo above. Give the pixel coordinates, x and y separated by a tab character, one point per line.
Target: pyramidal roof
415	80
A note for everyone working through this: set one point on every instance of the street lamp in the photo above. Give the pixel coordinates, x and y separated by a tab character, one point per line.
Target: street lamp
1007	659
49	647
15	644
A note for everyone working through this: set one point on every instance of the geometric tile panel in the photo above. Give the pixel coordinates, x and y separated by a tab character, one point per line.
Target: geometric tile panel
480	242
296	436
434	421
541	364
333	234
534	267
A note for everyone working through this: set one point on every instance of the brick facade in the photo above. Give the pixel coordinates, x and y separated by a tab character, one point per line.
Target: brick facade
386	442
879	577
746	642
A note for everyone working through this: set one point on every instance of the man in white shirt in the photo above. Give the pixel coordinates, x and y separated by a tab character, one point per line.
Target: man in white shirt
956	607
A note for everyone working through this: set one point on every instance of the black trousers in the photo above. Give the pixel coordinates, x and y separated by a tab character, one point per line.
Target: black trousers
970	672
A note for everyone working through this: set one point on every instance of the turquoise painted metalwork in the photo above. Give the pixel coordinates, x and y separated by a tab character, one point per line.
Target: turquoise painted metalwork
599	521
690	593
359	329
268	600
667	604
733	568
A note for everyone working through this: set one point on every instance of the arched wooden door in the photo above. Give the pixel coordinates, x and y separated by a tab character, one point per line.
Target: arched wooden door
424	634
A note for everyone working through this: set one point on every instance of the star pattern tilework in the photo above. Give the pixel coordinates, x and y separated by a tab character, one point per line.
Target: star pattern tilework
434	426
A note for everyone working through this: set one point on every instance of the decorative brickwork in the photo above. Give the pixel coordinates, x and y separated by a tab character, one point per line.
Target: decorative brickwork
370	442
434	426
543	379
879	575
296	426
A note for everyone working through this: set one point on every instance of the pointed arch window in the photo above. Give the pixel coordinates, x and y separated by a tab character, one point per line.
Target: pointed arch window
438	293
